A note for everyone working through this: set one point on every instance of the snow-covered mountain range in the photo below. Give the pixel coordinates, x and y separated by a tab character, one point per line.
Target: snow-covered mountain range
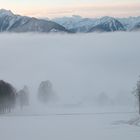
104	24
10	22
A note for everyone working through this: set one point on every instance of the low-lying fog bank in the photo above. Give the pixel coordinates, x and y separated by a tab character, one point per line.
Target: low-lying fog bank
85	69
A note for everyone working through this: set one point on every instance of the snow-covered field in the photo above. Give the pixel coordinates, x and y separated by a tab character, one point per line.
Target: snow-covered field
93	77
70	127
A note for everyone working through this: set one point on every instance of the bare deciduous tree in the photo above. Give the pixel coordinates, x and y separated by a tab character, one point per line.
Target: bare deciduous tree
23	97
137	93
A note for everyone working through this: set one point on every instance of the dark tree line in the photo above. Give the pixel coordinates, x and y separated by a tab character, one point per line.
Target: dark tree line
10	98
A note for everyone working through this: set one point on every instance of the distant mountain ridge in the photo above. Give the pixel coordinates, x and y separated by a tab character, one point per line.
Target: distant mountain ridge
107	24
10	22
104	24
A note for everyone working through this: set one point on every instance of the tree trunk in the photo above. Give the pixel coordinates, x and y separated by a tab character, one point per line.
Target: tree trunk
139	103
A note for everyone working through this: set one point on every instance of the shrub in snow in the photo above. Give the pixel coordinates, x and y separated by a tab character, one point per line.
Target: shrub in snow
103	99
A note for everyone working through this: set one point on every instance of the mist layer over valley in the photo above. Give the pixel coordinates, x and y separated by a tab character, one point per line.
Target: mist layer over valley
86	70
69	87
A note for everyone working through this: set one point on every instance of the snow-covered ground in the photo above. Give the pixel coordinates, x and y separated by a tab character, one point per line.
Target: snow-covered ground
70	127
93	77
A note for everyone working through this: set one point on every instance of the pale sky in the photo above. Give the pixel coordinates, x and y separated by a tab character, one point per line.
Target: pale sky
85	8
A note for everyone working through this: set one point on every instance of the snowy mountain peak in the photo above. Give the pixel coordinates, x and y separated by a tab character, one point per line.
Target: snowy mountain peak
107	19
5	12
107	24
10	22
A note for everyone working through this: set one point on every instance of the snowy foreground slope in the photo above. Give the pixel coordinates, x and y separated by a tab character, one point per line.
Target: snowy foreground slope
93	77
